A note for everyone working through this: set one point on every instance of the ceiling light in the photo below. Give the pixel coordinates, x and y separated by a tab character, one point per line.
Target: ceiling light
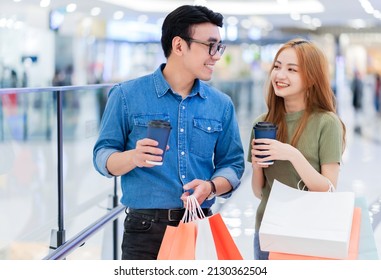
118	15
368	8
316	22
357	23
44	3
95	11
71	8
282	2
295	16
306	19
377	14
232	20
143	18
246	23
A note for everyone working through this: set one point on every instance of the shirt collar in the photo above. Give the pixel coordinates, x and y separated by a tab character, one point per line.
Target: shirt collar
162	86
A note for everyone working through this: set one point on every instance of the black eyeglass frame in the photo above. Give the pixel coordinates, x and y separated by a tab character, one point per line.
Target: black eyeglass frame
220	48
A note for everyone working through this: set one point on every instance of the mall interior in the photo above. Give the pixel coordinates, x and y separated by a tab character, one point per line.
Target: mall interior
58	60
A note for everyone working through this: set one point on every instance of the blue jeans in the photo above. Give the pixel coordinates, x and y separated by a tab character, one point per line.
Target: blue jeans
258	253
142	236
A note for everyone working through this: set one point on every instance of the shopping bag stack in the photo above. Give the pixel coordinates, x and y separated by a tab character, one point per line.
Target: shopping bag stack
198	237
310	225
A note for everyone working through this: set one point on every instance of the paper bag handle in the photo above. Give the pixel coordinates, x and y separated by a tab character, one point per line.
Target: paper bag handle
331	187
193	211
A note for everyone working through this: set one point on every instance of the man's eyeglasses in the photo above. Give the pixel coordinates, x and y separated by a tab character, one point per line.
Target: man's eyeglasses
213	46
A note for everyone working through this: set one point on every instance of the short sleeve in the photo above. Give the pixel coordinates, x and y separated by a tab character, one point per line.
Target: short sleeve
331	140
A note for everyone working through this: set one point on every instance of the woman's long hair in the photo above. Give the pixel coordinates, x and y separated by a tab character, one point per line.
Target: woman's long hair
319	96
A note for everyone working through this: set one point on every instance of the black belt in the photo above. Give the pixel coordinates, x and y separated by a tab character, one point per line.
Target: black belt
166	214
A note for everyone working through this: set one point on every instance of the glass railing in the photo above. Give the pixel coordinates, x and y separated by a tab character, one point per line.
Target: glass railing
49	189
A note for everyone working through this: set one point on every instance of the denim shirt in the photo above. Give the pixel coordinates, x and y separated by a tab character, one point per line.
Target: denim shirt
204	141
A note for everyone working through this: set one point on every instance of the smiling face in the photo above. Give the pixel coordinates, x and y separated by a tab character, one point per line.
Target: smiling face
286	78
197	59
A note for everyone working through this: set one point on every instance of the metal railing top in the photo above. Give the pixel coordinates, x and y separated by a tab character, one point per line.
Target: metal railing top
69	246
52	88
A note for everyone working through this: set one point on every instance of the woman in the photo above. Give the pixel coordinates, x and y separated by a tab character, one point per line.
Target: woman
310	136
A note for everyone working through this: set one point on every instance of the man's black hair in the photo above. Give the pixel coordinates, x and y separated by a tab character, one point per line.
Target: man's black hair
180	21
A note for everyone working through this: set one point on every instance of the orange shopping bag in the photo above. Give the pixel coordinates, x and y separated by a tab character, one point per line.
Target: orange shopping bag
225	245
179	242
353	244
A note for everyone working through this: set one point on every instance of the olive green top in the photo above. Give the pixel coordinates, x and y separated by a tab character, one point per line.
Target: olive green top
320	143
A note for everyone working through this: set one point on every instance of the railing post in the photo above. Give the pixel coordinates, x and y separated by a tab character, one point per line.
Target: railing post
60	233
24	99
2	137
115	222
49	102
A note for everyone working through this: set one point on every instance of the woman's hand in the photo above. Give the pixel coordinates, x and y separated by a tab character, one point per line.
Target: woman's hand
272	149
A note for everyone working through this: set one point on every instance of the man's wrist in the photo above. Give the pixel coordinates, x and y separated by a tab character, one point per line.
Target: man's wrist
213	190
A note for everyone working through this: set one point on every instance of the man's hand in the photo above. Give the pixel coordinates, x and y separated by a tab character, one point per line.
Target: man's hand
201	190
146	149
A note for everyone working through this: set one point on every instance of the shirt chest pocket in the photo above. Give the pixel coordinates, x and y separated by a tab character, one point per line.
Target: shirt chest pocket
205	133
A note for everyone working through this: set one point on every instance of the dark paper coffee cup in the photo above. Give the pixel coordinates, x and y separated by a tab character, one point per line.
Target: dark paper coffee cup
265	130
159	130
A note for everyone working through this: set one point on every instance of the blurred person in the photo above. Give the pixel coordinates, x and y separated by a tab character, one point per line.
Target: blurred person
204	154
68	76
310	136
10	100
14	81
58	78
377	93
57	81
357	87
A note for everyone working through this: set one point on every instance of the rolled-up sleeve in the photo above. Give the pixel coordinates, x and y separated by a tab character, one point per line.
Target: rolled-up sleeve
229	156
100	161
230	175
112	131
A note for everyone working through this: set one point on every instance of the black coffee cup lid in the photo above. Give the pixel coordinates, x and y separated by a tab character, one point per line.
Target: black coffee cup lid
159	123
265	125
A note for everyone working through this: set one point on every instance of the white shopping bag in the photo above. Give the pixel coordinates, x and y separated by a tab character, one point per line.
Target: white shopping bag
307	223
205	247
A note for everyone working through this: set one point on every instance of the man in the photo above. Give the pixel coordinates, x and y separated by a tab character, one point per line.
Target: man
204	154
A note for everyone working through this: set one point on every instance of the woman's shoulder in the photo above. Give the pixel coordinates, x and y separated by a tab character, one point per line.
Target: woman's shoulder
326	118
329	116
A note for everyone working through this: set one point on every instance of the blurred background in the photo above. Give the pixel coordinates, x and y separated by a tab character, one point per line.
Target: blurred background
59	43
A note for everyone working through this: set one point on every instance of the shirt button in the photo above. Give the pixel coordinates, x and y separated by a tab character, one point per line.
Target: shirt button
183	107
183	176
182	153
209	128
181	129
